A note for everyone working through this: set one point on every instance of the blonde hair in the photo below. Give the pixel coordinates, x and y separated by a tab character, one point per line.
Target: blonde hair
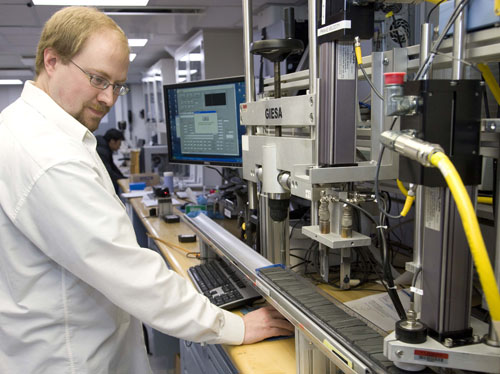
69	28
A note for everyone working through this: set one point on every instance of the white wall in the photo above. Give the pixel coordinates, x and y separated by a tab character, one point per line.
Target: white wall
8	94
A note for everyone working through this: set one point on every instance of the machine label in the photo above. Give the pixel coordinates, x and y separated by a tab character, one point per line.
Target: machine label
345	24
342	358
274	113
346	67
245	146
323	12
432	208
430	356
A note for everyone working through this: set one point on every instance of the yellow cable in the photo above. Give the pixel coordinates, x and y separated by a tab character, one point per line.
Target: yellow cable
490	81
402	188
473	234
357	51
408	203
410	198
170	244
485	200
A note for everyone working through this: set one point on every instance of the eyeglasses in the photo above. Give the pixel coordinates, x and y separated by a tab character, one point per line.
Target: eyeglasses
102	83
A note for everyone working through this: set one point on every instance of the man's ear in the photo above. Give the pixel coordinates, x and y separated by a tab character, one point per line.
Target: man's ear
50	60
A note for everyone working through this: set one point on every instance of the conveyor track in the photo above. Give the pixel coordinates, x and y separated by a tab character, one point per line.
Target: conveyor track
360	339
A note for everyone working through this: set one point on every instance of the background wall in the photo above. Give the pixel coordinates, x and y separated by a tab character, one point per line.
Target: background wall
8	94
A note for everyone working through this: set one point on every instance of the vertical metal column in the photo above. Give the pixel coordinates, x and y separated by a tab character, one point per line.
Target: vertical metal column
274	236
425	46
492	338
309	359
418	230
444	310
247	40
313	90
249	86
378	118
447	267
398	61
459	35
313	71
337	89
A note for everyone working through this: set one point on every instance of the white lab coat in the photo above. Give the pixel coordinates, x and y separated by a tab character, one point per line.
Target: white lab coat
73	281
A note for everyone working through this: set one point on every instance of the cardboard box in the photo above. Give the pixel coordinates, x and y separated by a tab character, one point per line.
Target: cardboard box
134	161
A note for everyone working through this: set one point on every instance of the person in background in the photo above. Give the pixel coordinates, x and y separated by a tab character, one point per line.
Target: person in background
106	145
74	283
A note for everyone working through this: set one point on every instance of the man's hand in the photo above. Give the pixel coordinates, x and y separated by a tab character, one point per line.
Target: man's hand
265	323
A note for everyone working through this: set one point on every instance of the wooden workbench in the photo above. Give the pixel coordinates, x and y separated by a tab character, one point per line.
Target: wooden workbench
276	357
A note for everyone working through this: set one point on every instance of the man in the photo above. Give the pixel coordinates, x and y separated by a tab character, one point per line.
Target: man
74	284
106	145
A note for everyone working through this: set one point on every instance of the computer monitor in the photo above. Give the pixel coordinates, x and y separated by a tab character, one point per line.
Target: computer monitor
203	121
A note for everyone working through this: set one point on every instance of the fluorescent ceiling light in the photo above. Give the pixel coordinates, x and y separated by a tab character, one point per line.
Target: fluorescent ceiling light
92	2
137	42
184	72
132	56
10	82
192	57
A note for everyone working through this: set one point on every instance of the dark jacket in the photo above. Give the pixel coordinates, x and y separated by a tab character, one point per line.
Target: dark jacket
106	155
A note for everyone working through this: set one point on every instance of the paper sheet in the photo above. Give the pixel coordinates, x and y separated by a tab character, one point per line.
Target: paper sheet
131	194
149	201
379	310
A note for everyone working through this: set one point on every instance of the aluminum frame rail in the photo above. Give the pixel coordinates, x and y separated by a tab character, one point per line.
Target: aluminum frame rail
226	245
333	345
480	46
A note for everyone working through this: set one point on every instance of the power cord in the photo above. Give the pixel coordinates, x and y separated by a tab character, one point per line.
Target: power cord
189	254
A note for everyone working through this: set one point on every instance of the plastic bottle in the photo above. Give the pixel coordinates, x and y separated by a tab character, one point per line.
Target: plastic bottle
168	181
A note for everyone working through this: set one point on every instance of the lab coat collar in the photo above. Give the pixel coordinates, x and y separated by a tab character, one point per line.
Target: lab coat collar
49	109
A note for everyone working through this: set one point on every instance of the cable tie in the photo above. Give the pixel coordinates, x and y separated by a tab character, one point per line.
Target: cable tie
382	227
416	290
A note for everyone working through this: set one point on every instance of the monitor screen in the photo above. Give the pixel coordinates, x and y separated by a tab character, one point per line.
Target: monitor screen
203	121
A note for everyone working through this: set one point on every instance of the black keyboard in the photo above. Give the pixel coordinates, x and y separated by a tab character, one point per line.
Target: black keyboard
217	281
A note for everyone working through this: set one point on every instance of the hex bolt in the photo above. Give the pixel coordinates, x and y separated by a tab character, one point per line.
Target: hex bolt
385	61
399	353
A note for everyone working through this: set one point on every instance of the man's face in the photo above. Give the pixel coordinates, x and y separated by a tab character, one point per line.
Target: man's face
115	145
101	55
